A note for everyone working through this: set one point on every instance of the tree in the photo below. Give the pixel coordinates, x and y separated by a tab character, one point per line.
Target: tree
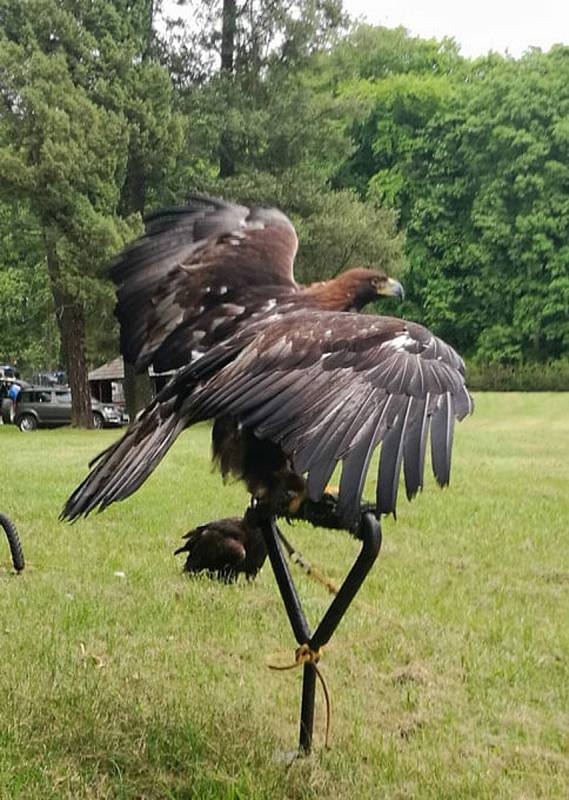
397	83
155	138
255	41
373	53
28	333
272	115
87	136
472	156
60	152
489	227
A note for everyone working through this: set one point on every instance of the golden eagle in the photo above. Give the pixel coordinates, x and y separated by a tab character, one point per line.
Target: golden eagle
293	379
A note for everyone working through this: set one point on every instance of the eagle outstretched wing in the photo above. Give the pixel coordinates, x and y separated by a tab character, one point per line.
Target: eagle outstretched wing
197	269
327	387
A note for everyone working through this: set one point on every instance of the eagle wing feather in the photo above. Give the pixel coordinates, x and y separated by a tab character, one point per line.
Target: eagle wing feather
323	399
195	268
379	380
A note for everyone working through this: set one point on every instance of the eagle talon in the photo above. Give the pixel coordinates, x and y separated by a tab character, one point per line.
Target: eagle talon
323	513
294	504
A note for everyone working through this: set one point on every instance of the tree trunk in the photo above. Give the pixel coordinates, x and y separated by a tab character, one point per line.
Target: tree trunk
228	29
71	322
137	386
133	193
137	390
72	327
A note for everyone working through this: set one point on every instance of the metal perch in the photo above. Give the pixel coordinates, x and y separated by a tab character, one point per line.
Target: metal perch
369	532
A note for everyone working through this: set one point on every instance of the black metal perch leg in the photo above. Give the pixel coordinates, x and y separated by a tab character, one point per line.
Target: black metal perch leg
370	534
285	583
307	709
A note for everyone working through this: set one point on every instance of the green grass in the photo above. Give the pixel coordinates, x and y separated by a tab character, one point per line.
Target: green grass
449	676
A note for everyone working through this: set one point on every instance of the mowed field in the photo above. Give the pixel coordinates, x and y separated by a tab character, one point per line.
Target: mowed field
121	678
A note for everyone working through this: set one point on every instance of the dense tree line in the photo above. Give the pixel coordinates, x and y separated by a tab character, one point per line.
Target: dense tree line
474	156
382	147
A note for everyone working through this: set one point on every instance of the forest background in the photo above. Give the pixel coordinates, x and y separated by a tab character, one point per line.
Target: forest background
384	149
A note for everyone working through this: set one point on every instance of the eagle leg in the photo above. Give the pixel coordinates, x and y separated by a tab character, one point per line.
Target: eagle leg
370	534
322	513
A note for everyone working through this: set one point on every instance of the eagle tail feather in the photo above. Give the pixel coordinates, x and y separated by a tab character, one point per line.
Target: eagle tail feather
124	467
356	464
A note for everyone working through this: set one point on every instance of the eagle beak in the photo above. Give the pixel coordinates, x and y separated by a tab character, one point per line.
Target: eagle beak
392	288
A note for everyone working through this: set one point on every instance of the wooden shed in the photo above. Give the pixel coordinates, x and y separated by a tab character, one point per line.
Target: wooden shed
106	381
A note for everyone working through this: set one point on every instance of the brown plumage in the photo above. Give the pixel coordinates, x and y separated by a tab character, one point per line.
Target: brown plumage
203	272
226	548
295	382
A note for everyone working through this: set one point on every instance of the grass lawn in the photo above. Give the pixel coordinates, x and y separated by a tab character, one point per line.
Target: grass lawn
121	678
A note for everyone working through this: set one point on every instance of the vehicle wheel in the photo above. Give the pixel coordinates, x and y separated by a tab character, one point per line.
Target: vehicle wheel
27	423
98	420
14	542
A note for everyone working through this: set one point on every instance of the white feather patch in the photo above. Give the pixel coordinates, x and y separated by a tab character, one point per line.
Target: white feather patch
231	308
401	342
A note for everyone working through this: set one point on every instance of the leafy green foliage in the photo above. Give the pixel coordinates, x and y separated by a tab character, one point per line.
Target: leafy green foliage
492	218
375	53
384	148
28	330
341	232
266	36
473	156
